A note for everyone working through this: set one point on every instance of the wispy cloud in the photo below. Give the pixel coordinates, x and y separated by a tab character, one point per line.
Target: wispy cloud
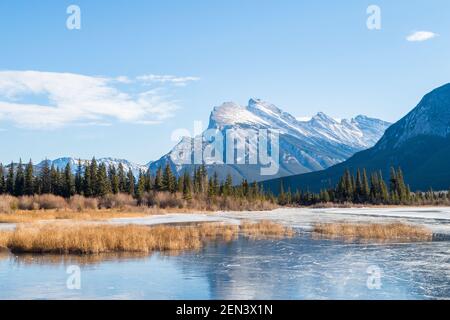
419	36
77	99
154	78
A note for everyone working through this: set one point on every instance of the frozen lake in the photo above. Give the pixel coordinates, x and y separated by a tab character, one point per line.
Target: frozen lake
297	268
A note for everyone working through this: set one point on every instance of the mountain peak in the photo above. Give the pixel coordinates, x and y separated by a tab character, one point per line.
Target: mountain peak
321	116
431	117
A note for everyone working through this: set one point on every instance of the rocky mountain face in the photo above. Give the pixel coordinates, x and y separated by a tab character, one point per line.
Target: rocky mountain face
419	143
304	146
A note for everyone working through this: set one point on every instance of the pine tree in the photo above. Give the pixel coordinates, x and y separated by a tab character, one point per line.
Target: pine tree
348	189
122	179
282	200
87	181
180	184
187	187
29	179
45	179
159	180
114	179
228	186
19	183
384	193
93	171
168	180
131	183
79	178
148	181
54	178
2	180
358	188
140	189
102	186
365	191
10	180
68	184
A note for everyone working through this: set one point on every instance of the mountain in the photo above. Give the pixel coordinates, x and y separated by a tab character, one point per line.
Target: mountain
419	143
61	163
304	146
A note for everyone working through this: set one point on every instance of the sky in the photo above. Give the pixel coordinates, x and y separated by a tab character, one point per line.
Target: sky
138	70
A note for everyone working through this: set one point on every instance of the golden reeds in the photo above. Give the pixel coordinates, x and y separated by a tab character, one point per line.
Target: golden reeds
93	239
376	231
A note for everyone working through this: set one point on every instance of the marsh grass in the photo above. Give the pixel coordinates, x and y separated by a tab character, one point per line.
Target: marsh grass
374	231
95	239
265	229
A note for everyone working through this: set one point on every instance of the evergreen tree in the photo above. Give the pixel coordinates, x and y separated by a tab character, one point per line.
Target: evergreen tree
358	188
2	180
140	189
19	183
29	179
180	184
68	183
148	181
54	180
159	185
45	179
102	184
10	180
114	179
168	180
131	183
79	178
228	186
87	182
122	179
187	187
93	171
365	191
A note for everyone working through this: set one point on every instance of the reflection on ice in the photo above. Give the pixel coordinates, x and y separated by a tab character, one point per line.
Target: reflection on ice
297	268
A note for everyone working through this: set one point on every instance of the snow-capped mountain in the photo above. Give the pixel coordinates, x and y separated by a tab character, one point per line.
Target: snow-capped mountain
304	146
419	144
61	164
430	117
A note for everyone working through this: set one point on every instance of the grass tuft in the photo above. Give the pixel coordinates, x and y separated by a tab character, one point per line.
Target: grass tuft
376	231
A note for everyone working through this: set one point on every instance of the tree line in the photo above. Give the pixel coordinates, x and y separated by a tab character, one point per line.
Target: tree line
360	189
93	179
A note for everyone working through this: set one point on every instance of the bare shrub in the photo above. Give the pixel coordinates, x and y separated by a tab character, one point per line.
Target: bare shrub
8	203
50	201
80	203
164	200
28	203
117	201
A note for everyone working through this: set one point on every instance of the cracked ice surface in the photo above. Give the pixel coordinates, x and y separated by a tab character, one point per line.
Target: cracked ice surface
437	219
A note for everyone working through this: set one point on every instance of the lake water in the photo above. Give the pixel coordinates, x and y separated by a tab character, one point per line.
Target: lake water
297	268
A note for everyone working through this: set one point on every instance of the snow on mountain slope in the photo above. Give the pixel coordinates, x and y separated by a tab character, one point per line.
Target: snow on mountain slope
305	146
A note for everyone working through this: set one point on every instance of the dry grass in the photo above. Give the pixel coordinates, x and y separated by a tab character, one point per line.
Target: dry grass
94	239
24	216
265	229
376	231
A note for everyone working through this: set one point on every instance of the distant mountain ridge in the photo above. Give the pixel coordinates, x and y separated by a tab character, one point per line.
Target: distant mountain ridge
305	146
61	164
419	143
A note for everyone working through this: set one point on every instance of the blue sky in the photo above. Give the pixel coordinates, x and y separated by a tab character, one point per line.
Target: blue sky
169	62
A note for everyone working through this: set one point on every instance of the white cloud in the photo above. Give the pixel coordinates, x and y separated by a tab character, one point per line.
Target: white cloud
179	81
419	36
77	99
